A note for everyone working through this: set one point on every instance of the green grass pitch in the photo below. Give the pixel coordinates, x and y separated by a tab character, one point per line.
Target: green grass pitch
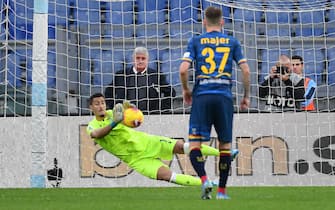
168	198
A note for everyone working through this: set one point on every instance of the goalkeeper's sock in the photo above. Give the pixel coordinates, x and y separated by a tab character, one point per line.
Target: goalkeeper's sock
224	167
198	161
205	150
183	179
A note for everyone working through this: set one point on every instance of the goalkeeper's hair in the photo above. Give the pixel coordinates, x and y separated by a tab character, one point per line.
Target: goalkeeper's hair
95	95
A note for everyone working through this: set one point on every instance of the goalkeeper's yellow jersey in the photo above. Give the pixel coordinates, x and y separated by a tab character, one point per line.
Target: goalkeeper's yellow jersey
122	141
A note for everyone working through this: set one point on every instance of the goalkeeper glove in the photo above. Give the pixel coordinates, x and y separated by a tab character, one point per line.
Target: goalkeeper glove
127	104
117	114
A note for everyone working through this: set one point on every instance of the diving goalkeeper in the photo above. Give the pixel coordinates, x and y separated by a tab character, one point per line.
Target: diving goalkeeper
141	151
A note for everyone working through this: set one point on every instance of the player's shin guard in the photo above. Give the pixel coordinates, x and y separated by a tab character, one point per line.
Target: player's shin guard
186	180
205	150
224	167
198	162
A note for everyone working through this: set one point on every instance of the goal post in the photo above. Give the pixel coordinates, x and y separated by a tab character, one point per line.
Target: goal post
39	94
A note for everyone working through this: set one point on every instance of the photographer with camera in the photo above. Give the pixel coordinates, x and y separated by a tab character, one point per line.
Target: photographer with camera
282	89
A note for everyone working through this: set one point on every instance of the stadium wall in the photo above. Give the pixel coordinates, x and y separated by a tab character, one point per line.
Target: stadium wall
276	149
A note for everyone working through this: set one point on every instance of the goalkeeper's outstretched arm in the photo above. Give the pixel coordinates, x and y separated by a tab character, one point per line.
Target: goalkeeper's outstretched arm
117	117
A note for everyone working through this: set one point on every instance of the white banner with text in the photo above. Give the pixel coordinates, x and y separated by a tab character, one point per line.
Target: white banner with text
281	149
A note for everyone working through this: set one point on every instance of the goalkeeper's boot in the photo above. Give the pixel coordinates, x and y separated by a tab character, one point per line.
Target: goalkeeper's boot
234	153
221	196
206	190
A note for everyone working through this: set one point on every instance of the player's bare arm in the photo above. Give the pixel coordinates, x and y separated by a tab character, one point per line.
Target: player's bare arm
183	73
101	132
246	83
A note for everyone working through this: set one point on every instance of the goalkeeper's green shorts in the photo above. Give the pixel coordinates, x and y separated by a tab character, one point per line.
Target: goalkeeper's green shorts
149	161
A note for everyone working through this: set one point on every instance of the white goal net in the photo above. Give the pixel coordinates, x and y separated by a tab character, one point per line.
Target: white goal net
89	41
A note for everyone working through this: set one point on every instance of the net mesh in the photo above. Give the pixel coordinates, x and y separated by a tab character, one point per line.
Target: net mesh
91	40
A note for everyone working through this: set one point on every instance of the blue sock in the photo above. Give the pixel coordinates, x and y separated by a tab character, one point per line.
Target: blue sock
198	162
224	167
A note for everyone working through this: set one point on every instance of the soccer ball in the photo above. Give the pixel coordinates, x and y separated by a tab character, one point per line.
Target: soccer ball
132	117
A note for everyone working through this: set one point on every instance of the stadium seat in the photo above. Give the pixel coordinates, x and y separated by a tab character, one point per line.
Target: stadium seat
264	71
118	20
310	23
151	19
103	64
330	25
314	63
59	12
183	15
2	31
87	12
119	59
330	53
245	22
278	23
87	16
153	58
20	17
150	6
25	64
51	81
184	11
14	72
171	60
247	15
281	5
331	73
107	68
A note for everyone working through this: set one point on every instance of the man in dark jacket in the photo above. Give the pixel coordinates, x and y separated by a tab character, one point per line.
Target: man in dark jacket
147	88
282	89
